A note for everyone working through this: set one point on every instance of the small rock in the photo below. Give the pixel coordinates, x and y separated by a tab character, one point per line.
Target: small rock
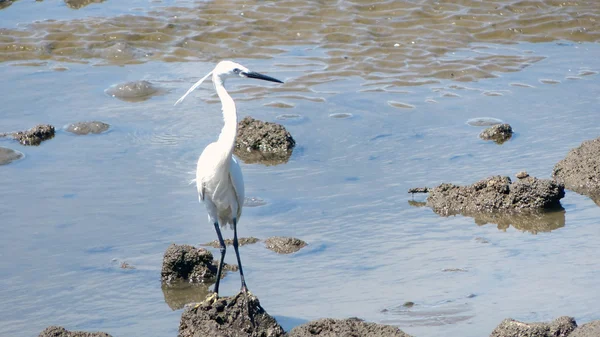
58	331
418	190
499	133
36	135
329	327
591	329
7	155
522	175
125	265
84	128
561	326
228	316
496	194
284	245
229	242
580	169
454	270
408	304
187	263
263	142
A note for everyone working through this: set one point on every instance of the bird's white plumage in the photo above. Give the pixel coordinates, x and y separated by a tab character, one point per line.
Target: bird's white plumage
219	178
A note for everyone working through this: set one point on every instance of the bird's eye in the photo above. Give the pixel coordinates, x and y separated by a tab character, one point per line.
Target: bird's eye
236	71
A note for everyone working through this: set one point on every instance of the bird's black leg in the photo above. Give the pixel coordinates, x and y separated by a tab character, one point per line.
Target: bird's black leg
244	289
223	249
237	255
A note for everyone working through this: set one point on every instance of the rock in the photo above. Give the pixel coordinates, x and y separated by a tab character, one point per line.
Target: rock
522	175
418	190
580	169
58	331
263	142
7	155
351	327
498	133
187	263
496	194
284	245
36	135
84	128
560	327
229	242
136	91
591	329
233	316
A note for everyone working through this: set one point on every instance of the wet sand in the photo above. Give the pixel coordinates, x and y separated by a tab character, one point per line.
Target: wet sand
76	203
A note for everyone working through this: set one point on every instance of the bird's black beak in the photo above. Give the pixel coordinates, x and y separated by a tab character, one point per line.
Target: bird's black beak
252	74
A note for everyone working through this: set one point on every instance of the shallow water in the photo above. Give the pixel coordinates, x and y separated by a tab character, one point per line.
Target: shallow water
370	119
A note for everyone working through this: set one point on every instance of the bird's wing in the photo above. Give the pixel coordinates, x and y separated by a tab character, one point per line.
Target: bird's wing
237	180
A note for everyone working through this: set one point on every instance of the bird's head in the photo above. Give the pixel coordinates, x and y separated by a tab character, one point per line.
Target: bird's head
226	69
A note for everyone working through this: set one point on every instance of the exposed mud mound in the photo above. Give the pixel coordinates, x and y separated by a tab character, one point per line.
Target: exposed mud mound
591	329
499	133
57	331
580	170
187	263
36	135
228	316
284	245
350	327
263	142
7	155
560	327
135	91
496	194
84	128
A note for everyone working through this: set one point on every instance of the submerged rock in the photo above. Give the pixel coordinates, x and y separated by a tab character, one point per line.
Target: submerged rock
580	169
187	263
499	133
84	128
496	194
329	327
58	331
561	326
9	155
238	315
36	135
284	245
263	142
135	91
229	242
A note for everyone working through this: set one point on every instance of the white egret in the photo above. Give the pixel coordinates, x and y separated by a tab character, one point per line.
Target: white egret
218	175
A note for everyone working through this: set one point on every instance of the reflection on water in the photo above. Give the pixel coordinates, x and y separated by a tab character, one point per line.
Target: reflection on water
533	223
180	294
438	314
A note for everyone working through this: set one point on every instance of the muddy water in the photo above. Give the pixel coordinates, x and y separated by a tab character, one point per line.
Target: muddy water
380	96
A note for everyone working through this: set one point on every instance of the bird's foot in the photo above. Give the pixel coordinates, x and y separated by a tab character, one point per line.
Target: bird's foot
210	299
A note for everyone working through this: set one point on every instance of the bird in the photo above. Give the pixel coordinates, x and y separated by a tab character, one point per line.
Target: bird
219	178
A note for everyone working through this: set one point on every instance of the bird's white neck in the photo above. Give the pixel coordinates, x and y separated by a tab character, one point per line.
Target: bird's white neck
229	131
